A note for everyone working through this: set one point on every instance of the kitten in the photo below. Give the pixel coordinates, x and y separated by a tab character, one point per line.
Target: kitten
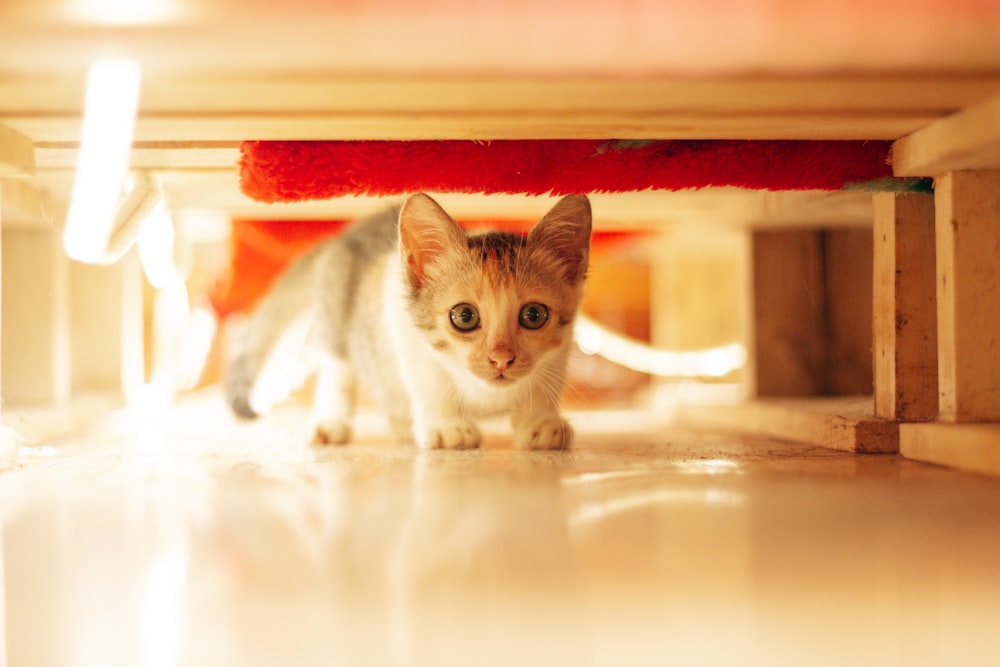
441	327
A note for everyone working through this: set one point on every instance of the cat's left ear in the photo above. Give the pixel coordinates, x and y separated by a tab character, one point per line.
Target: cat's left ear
565	231
426	233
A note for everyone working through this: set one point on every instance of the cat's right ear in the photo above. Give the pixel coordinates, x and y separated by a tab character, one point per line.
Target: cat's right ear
426	233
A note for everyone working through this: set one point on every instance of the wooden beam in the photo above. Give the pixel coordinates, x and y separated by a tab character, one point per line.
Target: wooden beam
968	237
106	330
17	153
36	307
489	124
972	447
905	308
156	155
848	265
26	205
844	423
336	91
790	341
967	140
234	105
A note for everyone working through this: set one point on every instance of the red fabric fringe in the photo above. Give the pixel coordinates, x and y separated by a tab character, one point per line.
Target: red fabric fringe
286	171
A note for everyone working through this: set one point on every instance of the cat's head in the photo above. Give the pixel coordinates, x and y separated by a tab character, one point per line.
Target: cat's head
496	303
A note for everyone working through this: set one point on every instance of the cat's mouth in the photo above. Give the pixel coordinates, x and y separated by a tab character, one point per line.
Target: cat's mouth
501	379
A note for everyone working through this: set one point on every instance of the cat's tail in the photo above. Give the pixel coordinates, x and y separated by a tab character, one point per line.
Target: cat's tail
267	363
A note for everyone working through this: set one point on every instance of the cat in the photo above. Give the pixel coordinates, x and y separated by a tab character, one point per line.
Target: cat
439	326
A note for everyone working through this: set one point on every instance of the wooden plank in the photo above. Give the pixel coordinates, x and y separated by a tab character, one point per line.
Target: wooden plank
2	444
149	155
790	338
569	124
967	140
17	153
843	423
337	91
35	306
905	308
233	105
106	330
697	283
968	236
972	447
25	204
848	270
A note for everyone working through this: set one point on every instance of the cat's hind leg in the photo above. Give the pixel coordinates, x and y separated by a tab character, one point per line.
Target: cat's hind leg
333	401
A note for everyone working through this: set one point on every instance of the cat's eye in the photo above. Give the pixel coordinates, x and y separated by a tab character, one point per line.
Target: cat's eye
465	317
533	316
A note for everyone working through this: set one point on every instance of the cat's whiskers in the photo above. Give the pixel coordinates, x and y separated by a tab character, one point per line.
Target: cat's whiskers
549	381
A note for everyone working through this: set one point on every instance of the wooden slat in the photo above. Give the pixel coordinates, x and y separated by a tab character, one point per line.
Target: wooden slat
26	205
848	255
199	113
972	447
790	339
570	124
36	309
966	140
149	155
106	332
17	153
968	236
844	423
337	91
905	308
233	105
697	287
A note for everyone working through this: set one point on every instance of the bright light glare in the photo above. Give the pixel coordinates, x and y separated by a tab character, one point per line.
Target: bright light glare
712	362
644	499
156	248
709	466
182	344
163	612
108	125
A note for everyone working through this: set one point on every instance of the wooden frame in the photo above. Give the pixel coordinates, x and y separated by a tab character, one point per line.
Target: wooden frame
643	72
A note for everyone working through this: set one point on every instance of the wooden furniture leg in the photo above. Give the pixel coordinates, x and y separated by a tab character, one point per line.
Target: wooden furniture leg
967	232
904	308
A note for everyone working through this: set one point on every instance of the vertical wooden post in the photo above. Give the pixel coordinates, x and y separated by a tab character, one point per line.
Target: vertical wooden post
968	282
35	311
106	316
17	157
1	303
905	308
790	337
848	258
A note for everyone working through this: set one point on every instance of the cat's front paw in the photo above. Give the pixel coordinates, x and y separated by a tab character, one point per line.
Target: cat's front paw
330	432
451	435
546	433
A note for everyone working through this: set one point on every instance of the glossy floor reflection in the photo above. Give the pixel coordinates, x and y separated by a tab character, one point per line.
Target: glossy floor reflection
193	540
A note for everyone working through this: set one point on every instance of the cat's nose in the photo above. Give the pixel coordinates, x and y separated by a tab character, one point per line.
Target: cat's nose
501	358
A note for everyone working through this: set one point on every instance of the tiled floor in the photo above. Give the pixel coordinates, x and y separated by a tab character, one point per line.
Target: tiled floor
192	540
